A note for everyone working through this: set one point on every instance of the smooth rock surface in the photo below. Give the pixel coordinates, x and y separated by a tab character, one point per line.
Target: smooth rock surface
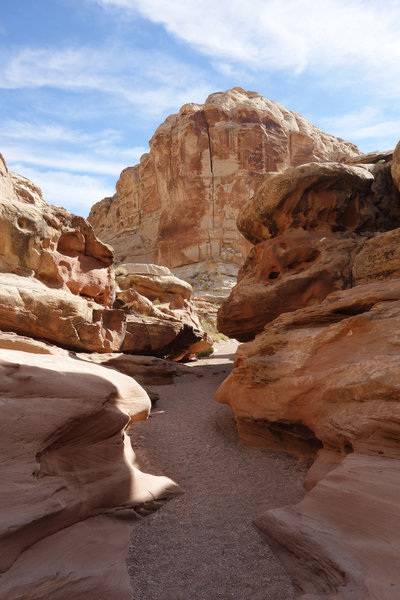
65	457
85	560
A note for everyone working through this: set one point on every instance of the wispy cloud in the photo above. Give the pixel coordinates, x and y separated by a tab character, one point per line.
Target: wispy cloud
77	193
368	125
358	36
68	161
151	81
20	135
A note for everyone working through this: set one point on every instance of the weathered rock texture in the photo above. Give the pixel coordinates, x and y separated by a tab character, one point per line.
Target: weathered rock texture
160	317
178	207
324	375
56	278
57	284
66	457
321	288
29	307
311	226
48	243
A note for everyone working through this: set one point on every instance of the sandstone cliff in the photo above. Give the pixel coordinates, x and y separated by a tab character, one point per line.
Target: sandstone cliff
178	207
319	296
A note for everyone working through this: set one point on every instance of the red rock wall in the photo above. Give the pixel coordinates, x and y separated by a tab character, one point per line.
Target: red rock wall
179	206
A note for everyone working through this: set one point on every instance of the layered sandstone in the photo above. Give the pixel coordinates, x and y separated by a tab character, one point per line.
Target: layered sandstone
314	230
160	319
50	244
319	295
341	542
178	207
57	284
324	376
56	278
66	457
29	307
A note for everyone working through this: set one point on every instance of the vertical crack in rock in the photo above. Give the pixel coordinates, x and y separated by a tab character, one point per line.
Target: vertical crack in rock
212	173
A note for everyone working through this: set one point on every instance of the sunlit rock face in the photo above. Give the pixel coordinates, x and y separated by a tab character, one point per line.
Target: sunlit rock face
56	278
178	208
50	244
160	317
66	458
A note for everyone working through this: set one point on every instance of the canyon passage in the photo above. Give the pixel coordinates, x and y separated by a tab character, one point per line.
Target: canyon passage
203	544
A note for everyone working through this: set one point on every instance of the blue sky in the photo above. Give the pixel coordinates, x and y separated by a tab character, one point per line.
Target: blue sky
85	83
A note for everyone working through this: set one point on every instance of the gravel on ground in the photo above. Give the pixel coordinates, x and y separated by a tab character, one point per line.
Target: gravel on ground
203	545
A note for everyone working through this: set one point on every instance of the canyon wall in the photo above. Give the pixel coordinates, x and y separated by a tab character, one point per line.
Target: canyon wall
178	207
319	298
70	483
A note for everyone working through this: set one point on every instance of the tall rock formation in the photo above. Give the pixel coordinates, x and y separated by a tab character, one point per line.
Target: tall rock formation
319	296
178	207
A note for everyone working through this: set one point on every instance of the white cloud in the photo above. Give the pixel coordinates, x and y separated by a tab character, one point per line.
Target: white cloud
360	37
368	126
68	161
54	132
34	140
150	81
77	193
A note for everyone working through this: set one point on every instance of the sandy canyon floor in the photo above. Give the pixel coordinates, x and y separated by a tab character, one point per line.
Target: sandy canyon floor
202	545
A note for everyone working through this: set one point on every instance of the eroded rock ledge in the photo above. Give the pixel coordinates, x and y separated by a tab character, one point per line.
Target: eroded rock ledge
315	229
321	376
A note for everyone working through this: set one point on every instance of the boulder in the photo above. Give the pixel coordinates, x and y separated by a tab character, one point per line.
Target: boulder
46	242
178	207
160	320
65	458
333	196
146	370
316	228
29	307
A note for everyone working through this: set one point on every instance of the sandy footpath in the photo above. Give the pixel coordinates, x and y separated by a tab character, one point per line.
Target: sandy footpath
202	545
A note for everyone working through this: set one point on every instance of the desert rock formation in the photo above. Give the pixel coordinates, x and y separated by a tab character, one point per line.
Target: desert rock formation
311	227
50	244
75	463
160	318
69	478
319	296
178	207
57	284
